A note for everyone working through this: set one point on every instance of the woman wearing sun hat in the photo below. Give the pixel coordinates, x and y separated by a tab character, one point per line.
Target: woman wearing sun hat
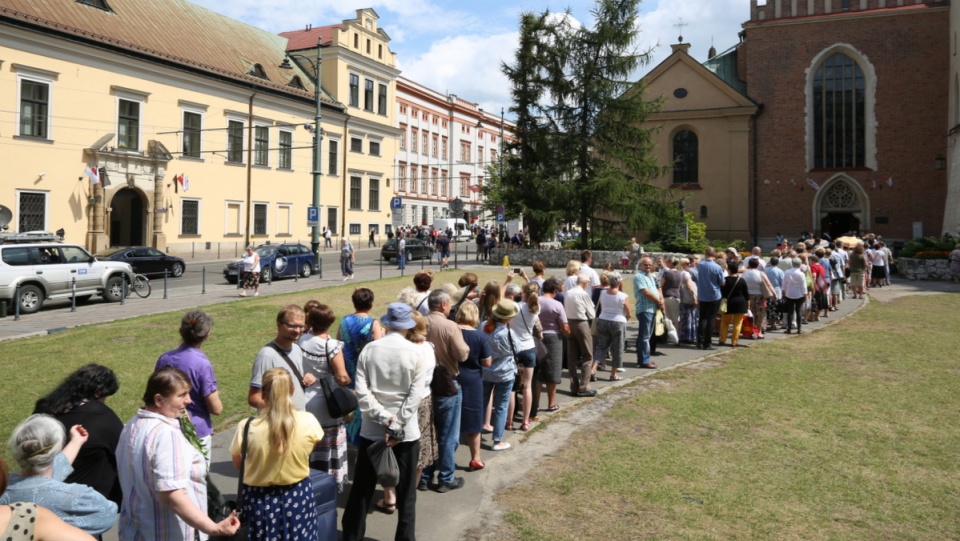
499	377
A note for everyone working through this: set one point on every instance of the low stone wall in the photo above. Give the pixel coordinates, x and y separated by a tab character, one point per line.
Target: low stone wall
923	269
558	258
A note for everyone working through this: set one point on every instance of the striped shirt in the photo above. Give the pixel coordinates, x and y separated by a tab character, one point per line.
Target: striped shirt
153	456
641	281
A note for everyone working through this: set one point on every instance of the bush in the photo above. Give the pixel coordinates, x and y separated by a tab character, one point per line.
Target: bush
944	244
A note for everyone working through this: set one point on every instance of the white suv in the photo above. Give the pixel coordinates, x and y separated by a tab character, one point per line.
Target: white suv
49	270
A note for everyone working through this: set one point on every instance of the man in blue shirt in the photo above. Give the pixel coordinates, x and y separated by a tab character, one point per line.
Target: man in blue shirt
648	299
709	281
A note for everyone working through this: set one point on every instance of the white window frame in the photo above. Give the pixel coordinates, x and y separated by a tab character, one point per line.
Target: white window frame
370	201
281	228
267	126
46	208
36	75
280	149
226	217
199	215
354	228
326	156
198	110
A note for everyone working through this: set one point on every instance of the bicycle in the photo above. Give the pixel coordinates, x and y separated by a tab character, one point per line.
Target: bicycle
141	286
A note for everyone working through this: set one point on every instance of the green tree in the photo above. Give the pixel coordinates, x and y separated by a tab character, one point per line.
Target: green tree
581	153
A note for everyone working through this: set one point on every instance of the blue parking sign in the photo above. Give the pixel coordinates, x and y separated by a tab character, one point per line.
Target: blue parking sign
396	203
313	216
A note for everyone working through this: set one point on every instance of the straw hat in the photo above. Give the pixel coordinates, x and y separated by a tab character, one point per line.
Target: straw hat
505	309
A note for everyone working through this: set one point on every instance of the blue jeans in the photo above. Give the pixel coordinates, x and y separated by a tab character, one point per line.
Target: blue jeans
645	319
446	419
501	399
401	260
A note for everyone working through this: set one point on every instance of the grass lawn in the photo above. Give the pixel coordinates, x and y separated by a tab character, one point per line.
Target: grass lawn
34	366
845	433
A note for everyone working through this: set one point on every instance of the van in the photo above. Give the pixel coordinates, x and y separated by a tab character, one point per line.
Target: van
458	225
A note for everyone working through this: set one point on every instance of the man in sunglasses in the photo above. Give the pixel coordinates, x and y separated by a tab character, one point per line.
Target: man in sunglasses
282	352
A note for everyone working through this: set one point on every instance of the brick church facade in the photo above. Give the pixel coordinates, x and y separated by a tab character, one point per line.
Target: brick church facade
850	135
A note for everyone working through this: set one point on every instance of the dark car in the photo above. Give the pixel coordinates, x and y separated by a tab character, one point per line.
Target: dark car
414	249
145	260
277	260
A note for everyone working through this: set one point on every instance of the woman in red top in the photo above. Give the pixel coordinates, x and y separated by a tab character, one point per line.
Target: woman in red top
821	284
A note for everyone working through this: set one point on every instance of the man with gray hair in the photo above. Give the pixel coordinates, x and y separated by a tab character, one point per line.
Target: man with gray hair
580	312
451	350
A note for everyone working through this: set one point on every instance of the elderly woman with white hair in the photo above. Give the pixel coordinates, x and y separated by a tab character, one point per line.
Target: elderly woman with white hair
38	447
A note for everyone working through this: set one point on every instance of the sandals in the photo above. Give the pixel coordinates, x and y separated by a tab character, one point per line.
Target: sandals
525	427
553	408
386	508
615	378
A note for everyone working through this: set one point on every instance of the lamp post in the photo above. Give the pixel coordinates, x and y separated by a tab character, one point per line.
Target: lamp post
317	142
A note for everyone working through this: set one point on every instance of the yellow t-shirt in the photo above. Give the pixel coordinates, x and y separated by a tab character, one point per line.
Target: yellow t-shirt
264	467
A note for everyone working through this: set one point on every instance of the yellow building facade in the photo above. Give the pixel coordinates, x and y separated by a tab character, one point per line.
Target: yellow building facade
359	71
196	133
704	133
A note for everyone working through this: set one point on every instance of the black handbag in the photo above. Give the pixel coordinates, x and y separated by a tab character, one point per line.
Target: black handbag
219	509
340	400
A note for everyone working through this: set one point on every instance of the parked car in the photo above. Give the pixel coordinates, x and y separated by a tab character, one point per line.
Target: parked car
414	249
52	270
276	261
145	260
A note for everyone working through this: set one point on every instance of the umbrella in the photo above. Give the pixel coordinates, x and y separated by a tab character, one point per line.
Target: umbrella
848	242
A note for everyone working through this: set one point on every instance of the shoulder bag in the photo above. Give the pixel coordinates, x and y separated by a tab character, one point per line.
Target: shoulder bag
293	367
594	326
340	400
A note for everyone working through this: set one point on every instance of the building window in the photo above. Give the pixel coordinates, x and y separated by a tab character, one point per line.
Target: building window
261	145
374	148
413	178
703	211
356	41
480	155
839	99
464	152
368	95
413	139
368	47
332	220
356	187
354	229
443	149
31	211
235	141
380	51
285	158
128	124
284	218
686	157
354	90
443	183
435	148
259	218
382	100
423	180
332	160
189	216
464	183
424	146
374	191
402	182
356	144
192	126
434	190
233	218
403	137
34	108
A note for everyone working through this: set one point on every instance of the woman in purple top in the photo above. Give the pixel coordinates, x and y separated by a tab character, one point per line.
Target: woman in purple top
205	399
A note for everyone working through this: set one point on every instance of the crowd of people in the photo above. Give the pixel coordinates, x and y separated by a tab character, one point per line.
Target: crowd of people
446	363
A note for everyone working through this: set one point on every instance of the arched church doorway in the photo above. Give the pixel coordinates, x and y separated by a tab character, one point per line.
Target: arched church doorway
841	207
127	219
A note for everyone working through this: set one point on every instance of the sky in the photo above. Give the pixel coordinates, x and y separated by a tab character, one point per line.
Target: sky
458	46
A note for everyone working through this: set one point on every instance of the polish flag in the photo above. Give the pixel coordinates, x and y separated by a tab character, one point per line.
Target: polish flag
93	174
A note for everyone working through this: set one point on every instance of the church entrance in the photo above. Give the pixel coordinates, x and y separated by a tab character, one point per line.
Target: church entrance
841	207
127	219
839	224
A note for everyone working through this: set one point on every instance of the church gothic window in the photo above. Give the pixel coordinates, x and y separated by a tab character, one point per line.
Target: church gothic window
839	116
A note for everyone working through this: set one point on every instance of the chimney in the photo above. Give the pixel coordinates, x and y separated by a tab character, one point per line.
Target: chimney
685	47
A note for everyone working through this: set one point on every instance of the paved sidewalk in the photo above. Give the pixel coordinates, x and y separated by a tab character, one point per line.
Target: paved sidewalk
467	511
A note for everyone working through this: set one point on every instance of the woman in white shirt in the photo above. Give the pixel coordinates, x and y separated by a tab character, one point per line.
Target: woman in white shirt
251	272
522	329
612	325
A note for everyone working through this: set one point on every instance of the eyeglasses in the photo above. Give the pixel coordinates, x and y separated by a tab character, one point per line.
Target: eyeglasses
293	326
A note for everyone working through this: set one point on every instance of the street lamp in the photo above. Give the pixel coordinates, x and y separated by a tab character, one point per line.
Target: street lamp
317	141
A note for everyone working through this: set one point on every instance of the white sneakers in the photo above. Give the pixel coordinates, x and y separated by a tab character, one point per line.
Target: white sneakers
502	446
345	278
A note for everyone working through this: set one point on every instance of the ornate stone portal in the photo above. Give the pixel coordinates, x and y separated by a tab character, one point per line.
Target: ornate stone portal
841	207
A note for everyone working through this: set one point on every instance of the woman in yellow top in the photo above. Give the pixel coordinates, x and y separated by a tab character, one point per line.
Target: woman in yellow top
278	500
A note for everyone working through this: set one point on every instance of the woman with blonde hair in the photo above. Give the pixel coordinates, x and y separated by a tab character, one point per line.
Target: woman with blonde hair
276	472
471	381
489	297
523	330
573	269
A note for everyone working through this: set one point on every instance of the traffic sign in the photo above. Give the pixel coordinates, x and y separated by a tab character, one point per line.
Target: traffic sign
456	205
499	209
396	203
500	217
313	216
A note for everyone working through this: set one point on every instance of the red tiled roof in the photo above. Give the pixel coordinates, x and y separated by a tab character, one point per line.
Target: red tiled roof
172	31
307	38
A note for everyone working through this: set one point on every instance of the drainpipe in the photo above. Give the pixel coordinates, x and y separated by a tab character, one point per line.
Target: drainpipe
343	183
756	178
246	234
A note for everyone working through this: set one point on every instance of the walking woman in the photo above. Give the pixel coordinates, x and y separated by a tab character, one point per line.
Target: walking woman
347	259
612	325
251	272
276	476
